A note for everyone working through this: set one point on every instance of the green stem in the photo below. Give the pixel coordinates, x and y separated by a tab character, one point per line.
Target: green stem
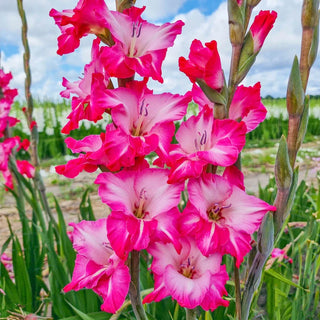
134	290
191	314
34	136
237	289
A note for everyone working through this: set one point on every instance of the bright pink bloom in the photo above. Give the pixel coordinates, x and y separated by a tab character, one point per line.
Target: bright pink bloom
33	124
5	151
188	277
222	216
110	150
144	208
260	28
25	168
97	267
7	262
88	91
203	64
25	144
89	16
203	140
139	45
246	105
280	254
146	118
7	96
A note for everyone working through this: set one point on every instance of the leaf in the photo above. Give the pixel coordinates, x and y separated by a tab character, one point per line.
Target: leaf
280	277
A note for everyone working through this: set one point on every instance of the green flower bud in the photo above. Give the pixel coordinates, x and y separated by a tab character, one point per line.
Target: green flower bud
310	15
295	92
283	170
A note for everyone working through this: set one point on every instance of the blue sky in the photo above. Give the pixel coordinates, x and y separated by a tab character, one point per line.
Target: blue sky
205	20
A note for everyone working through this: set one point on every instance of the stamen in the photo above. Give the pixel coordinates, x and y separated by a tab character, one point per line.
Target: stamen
215	211
203	139
143	111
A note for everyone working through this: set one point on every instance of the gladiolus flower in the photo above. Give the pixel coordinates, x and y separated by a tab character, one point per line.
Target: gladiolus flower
89	16
204	140
25	168
222	216
139	45
203	64
88	91
188	277
97	267
146	118
144	208
260	28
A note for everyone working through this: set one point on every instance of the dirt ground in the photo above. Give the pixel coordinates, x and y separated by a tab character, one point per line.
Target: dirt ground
69	192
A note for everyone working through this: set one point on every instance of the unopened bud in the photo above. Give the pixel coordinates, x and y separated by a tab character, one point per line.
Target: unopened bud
303	123
283	170
253	3
295	92
212	94
314	46
124	4
310	15
236	22
266	235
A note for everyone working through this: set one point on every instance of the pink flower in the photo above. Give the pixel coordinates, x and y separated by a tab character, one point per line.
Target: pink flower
260	28
25	168
146	118
222	216
203	140
144	208
110	150
139	46
97	267
203	64
188	277
246	105
280	254
89	16
88	91
5	151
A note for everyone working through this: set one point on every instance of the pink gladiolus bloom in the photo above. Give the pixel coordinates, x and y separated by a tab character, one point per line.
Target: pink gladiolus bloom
144	208
85	105
5	151
89	16
203	140
139	46
188	277
222	216
97	267
146	118
25	168
246	105
110	150
203	64
280	254
260	28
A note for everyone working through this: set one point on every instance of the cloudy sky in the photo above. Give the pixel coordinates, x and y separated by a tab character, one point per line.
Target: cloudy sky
204	19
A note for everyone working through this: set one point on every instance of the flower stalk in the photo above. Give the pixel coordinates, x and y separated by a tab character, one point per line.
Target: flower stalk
34	136
134	289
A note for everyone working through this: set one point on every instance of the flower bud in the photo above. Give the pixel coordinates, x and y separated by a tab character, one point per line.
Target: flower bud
266	234
283	170
303	123
236	22
124	4
295	92
314	46
253	3
310	15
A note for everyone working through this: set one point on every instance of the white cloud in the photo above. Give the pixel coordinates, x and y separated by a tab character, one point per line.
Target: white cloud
272	66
